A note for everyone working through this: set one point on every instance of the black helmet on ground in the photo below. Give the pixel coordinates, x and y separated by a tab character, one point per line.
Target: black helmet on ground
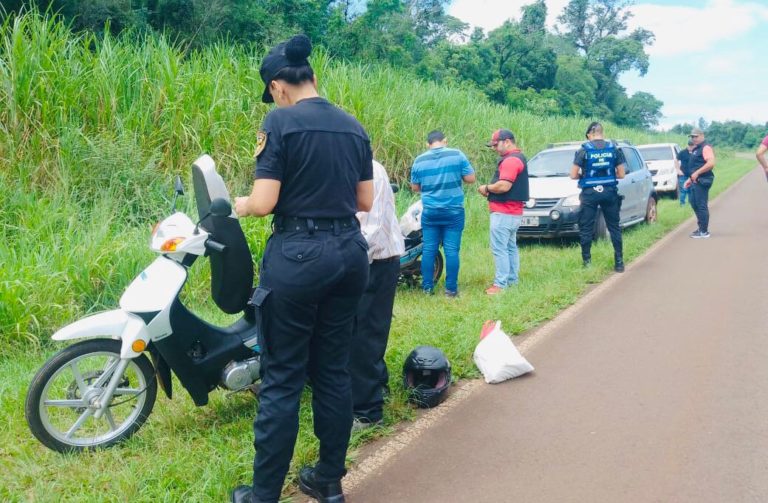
426	376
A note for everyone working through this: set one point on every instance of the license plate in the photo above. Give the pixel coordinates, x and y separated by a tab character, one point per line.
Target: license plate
530	222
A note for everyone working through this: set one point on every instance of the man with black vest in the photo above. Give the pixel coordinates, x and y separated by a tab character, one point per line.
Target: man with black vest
700	180
506	195
598	165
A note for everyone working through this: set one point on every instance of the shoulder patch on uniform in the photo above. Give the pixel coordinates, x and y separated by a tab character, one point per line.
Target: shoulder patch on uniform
261	142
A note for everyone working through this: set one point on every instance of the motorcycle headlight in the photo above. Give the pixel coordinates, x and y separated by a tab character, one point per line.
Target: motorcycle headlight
571	201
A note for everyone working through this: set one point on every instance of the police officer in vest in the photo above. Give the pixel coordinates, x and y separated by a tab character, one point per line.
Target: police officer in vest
700	180
314	172
597	166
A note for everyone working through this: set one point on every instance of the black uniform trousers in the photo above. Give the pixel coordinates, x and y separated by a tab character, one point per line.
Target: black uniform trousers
609	202
315	282
699	197
369	342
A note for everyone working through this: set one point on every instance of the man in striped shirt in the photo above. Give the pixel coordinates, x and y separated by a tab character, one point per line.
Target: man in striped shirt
438	174
367	369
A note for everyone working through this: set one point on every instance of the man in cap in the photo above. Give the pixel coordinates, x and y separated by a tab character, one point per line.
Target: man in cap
683	158
700	180
506	194
438	174
598	165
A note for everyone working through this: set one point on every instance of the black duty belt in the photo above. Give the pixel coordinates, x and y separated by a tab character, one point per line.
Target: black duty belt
306	224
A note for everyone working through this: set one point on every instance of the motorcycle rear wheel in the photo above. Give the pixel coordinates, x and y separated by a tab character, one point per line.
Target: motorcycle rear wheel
62	399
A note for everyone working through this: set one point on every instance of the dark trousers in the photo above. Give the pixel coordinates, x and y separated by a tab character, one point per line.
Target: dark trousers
699	198
610	203
369	340
316	281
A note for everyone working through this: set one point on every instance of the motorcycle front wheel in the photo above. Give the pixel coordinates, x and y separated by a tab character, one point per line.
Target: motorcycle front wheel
64	397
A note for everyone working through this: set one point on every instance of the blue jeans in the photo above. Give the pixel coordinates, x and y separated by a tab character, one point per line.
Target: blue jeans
681	186
504	248
441	226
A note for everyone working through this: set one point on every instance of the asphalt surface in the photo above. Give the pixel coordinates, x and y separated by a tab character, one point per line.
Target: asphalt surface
654	389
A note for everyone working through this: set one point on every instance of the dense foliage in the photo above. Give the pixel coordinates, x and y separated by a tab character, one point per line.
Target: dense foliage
730	133
92	130
573	71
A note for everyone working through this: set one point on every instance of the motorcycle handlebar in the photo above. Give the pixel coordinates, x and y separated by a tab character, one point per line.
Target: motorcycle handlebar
215	246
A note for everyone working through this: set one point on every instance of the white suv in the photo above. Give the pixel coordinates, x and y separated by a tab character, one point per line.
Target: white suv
660	158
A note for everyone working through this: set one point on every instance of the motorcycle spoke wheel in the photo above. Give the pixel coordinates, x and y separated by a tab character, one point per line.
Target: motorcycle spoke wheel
64	406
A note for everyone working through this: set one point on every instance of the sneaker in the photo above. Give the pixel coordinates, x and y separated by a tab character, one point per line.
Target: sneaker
360	424
324	492
428	291
451	293
619	267
700	235
587	262
493	290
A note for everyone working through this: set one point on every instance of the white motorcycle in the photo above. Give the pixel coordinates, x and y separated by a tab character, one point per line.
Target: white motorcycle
99	391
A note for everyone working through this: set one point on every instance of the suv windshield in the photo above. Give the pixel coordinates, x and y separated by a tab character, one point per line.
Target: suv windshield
551	163
656	153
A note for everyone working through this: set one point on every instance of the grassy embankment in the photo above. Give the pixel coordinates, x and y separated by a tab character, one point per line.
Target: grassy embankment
90	136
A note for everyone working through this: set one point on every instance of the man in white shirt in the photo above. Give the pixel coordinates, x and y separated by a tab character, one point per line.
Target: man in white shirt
367	368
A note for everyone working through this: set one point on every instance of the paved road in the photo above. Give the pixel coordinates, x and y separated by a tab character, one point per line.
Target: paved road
656	391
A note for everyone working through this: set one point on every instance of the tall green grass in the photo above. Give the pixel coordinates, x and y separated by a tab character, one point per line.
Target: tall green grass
91	132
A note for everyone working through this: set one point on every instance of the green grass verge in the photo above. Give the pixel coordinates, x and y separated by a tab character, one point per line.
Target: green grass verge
184	453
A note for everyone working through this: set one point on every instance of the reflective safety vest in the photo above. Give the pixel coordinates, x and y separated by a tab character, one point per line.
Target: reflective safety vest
600	165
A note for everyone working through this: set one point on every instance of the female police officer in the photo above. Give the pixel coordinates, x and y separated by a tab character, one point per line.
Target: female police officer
313	171
598	165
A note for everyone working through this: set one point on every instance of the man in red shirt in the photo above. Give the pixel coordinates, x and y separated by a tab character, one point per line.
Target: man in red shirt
506	193
760	154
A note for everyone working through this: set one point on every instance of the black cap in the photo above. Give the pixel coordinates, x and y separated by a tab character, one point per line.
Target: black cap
293	52
500	135
435	136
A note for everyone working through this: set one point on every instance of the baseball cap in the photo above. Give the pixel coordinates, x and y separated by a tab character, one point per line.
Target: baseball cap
696	132
500	135
292	52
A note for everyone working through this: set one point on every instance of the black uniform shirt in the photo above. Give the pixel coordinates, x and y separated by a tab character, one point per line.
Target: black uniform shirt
319	153
685	158
580	159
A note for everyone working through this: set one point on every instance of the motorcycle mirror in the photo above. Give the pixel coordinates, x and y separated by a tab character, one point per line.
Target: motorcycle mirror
220	207
178	189
395	187
178	186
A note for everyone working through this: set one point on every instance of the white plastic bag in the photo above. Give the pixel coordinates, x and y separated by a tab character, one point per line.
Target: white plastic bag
411	219
497	357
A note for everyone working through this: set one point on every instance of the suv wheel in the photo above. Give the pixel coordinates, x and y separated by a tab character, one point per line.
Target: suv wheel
651	213
601	228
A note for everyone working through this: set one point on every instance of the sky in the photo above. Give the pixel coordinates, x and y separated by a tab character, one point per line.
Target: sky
709	58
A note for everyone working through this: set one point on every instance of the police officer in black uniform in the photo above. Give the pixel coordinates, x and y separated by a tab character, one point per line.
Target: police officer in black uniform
314	172
597	166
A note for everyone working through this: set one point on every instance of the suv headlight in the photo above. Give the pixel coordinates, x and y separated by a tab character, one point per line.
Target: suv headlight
571	201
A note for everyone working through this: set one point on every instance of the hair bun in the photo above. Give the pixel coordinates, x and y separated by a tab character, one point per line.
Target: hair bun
298	48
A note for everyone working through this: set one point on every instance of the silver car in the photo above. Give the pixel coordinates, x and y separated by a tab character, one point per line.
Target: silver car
553	207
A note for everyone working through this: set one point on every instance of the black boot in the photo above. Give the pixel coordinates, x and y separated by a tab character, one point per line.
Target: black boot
244	494
324	492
